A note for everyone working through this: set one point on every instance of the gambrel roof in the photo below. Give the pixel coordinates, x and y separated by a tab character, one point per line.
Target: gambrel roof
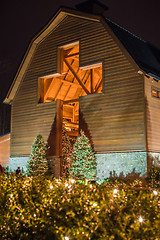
146	57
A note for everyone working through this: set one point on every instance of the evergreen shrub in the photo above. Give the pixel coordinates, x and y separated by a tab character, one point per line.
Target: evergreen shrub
46	208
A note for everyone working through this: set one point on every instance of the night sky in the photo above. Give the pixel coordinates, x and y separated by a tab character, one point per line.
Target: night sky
21	20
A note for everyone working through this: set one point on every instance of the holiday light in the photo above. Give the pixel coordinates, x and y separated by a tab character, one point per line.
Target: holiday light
66	238
155	192
94	204
115	191
72	181
71	203
140	219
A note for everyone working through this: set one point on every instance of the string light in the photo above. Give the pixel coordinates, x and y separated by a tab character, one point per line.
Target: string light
155	192
90	185
51	187
115	191
140	219
66	238
94	204
72	181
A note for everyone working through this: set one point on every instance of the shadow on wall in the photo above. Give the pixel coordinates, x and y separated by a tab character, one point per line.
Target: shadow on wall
51	142
83	125
132	175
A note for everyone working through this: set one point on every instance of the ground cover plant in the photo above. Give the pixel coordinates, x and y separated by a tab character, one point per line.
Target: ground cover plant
48	208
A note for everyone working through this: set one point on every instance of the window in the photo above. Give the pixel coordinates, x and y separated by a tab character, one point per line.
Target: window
155	93
70	83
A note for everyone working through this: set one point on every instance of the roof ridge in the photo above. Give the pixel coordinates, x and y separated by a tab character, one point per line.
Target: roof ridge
126	30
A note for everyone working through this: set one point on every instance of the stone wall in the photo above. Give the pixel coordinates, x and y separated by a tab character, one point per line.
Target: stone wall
15	162
131	164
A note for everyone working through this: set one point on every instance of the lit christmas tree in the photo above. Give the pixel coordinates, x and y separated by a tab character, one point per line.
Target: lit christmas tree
66	151
38	163
83	162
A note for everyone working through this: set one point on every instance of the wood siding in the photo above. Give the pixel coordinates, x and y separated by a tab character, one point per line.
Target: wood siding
152	115
115	118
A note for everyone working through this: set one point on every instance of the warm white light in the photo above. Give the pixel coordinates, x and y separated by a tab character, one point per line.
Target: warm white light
140	219
51	187
24	186
115	191
11	195
69	186
66	238
66	185
34	215
72	181
90	185
155	192
94	204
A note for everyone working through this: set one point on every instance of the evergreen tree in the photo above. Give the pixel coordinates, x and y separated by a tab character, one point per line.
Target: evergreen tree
83	161
66	152
38	163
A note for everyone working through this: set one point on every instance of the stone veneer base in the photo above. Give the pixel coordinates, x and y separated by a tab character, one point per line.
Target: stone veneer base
133	164
15	162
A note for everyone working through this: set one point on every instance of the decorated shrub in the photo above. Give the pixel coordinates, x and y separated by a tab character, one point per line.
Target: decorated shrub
38	163
83	161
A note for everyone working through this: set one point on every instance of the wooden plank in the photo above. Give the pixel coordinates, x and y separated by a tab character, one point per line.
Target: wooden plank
71	101
59	121
76	76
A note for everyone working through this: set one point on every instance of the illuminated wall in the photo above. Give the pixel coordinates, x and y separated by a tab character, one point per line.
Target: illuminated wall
4	150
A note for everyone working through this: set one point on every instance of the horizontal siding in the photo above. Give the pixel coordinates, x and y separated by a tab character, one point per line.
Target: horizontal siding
152	116
114	119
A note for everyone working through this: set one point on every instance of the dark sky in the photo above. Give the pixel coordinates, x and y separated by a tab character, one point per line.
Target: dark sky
21	20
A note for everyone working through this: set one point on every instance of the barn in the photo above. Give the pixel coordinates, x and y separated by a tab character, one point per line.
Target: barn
83	71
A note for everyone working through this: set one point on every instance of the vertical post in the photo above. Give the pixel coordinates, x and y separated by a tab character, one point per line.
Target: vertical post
59	122
92	73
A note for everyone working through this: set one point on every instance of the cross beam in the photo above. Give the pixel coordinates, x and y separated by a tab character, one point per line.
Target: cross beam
76	76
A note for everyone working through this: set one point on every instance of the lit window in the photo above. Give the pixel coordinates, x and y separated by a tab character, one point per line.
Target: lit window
155	93
69	84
